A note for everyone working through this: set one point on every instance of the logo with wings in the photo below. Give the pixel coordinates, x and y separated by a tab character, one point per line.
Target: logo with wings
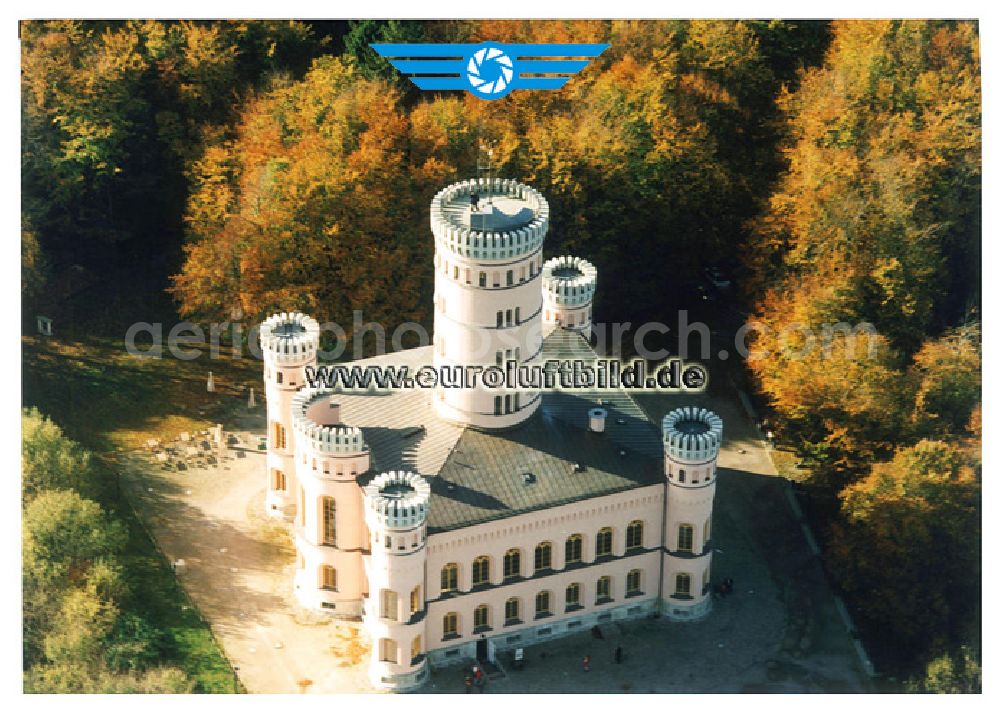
489	70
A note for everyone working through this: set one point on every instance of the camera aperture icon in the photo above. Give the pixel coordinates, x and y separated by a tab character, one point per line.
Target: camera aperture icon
490	72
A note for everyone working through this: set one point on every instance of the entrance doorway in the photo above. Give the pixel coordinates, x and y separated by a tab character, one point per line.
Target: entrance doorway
482	650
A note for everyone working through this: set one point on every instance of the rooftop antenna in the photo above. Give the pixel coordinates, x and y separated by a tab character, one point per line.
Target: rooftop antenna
484	168
484	172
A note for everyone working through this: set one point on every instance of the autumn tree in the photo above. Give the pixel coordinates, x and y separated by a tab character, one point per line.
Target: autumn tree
908	546
315	205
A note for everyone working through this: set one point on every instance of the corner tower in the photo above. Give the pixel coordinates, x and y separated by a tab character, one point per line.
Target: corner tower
289	341
396	506
568	285
691	440
330	535
488	237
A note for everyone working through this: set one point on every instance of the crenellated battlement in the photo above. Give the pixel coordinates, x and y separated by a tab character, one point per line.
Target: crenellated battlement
289	337
316	422
514	226
568	281
397	500
692	434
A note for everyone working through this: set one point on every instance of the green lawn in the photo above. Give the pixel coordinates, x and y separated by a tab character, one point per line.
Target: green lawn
109	401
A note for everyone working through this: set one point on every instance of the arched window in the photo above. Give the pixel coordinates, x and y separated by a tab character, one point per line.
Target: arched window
543	556
450	625
480	571
682	584
481	619
574	549
633	535
388	652
573	596
633	582
512	564
685	538
708	529
329	521
604	589
541	603
512	610
602	546
328	577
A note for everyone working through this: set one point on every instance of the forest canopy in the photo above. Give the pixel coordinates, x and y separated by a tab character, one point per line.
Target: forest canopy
833	170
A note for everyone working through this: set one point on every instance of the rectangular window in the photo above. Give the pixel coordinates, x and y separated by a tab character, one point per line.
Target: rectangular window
280	483
633	583
390	605
543	557
388	651
510	277
685	538
450	624
683	584
542	603
572	596
498	405
449	578
500	318
633	536
604	589
415	600
603	545
329	521
481	618
329	578
482	279
415	647
512	610
517	315
510	318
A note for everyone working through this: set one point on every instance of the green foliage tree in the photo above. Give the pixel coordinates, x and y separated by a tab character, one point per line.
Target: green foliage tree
362	33
957	673
50	460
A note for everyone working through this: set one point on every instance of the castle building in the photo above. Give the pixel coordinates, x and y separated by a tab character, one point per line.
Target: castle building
459	521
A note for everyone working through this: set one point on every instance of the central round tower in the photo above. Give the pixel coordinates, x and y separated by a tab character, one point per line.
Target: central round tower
488	237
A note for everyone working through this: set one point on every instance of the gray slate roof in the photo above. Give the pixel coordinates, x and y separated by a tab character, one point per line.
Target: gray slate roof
476	476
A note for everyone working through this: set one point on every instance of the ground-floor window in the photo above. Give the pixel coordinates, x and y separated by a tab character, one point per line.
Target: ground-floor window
542	603
604	589
633	582
388	651
329	577
573	596
683	584
450	624
481	619
512	610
